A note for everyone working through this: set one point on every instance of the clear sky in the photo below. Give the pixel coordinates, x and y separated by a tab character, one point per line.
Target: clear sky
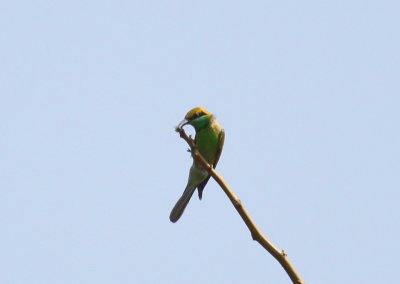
308	93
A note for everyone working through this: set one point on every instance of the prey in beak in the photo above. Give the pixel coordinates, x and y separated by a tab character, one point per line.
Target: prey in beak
182	123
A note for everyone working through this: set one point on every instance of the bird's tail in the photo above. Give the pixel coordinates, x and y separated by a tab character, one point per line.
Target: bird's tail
181	204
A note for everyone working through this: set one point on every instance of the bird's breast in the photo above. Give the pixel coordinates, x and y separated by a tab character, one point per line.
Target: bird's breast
207	141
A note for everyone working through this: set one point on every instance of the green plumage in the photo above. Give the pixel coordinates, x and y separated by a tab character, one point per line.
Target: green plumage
209	140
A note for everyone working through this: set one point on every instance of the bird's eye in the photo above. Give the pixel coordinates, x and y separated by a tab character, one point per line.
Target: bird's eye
198	114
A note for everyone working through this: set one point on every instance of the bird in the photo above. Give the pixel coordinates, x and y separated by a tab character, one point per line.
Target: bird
209	140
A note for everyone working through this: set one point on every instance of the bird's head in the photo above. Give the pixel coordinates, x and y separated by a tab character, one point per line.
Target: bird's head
197	117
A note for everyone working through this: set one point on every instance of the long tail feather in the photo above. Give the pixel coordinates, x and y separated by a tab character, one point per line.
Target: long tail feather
181	204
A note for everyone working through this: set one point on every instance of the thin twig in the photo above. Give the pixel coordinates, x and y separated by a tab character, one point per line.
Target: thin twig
256	234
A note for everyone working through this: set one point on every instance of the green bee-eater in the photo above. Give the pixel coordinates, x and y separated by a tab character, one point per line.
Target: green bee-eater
209	141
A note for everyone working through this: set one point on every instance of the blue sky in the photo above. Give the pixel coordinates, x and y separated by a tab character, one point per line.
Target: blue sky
308	94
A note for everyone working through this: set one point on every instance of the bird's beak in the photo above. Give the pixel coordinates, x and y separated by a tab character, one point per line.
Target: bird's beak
182	123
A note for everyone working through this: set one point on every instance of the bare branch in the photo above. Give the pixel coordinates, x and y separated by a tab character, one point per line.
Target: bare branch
279	255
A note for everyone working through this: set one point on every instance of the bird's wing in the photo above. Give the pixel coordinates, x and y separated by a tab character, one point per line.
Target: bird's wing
202	185
221	138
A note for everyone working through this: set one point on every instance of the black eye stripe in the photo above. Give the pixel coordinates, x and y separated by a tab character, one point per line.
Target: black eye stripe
198	114
194	114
